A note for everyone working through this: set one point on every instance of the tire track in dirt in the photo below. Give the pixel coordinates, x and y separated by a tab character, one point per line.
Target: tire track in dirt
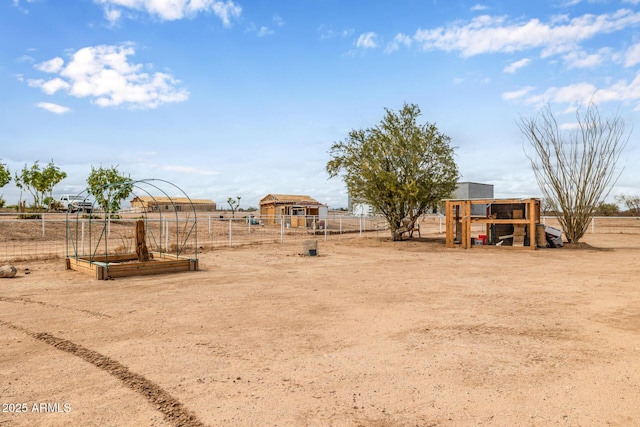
175	413
45	304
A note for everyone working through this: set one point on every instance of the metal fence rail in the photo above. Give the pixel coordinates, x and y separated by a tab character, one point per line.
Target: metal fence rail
44	236
52	235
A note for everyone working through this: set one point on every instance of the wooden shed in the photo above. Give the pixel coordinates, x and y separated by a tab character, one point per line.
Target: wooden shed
171	204
298	210
506	222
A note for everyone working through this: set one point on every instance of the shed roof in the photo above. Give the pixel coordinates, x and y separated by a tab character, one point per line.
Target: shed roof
175	200
289	199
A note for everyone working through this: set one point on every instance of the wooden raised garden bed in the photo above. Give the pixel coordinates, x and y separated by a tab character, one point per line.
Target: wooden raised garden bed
104	267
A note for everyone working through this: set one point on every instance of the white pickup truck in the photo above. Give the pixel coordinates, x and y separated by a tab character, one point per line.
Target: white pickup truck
72	203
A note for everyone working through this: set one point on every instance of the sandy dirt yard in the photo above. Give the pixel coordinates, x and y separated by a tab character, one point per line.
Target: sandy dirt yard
368	333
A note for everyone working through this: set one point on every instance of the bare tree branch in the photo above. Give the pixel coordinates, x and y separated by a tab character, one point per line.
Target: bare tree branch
575	168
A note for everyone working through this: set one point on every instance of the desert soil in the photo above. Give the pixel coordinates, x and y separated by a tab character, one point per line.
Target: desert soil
368	333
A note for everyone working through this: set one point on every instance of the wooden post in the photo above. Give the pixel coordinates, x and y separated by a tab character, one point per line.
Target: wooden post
534	219
450	224
141	247
466	224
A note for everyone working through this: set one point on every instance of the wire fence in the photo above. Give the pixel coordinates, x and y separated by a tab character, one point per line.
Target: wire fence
53	235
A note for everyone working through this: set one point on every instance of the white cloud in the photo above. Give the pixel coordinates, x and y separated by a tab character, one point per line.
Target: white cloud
632	55
112	15
103	74
52	86
490	34
479	7
517	94
475	78
26	59
225	11
515	66
16	3
278	20
577	93
170	10
327	32
367	41
54	108
570	3
265	31
582	93
51	66
399	40
580	59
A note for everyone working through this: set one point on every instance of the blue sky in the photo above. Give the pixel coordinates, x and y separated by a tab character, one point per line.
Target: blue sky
227	98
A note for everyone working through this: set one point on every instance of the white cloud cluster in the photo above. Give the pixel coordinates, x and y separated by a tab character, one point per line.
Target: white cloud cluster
579	93
515	66
54	108
561	37
104	74
264	30
367	41
479	7
581	59
171	10
489	34
398	41
327	32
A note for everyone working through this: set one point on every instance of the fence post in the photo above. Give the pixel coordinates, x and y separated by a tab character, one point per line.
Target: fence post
281	228
326	224
340	224
230	232
360	225
166	236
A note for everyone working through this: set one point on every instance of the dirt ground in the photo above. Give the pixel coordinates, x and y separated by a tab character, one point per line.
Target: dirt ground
368	333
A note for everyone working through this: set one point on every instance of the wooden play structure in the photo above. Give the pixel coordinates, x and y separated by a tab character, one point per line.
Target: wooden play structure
506	223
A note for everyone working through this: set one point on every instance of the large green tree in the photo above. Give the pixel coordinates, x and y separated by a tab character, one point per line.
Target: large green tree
5	177
109	187
39	181
400	167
